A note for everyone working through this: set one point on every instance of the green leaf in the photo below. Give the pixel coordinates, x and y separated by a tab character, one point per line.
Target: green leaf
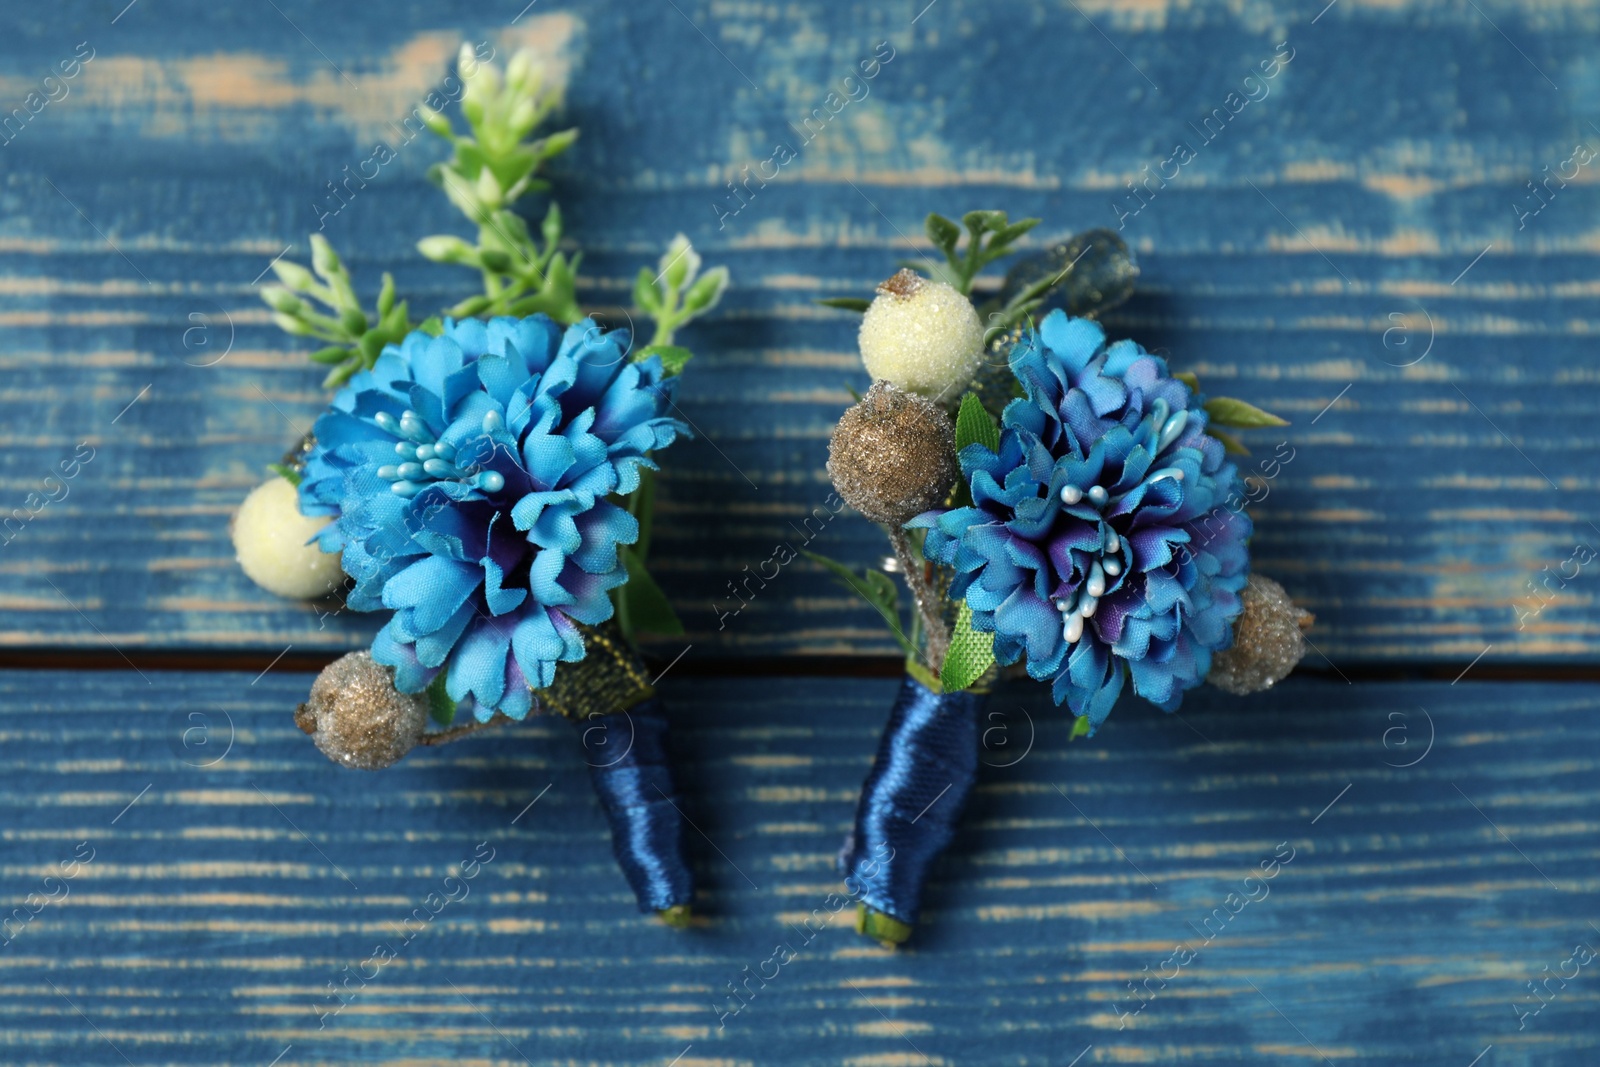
1080	728
1226	411
331	354
673	357
440	706
846	303
648	608
942	232
287	473
971	654
975	426
1189	379
875	587
433	326
1006	235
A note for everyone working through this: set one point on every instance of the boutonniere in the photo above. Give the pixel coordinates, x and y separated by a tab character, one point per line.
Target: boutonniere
485	476
1055	501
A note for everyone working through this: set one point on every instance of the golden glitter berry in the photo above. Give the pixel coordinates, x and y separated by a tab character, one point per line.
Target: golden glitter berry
893	455
1267	640
358	718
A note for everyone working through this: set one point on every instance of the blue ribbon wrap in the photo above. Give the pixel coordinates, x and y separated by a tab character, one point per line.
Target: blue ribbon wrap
627	758
913	798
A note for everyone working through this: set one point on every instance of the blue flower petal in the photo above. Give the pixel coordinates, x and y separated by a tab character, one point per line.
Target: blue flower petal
1087	422
528	428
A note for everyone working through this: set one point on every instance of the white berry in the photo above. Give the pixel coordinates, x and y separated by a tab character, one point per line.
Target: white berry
923	336
270	537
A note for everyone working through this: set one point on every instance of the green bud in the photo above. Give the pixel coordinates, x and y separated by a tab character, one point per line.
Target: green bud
331	354
550	229
704	294
679	264
434	121
444	248
386	296
290	324
488	188
557	142
497	261
646	294
523	116
341	374
521	69
354	321
293	275
281	300
471	306
323	258
396	320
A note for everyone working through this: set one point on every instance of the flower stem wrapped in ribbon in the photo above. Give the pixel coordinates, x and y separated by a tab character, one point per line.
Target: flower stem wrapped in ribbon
1096	535
488	481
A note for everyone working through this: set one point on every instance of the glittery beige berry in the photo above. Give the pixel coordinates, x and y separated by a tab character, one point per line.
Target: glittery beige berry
893	455
921	335
358	718
1267	640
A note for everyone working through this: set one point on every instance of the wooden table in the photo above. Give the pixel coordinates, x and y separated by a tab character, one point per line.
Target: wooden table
1351	242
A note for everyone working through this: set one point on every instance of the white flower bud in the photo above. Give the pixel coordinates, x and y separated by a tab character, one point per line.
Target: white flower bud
270	535
922	335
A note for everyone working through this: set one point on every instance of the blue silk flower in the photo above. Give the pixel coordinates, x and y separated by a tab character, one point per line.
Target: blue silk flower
468	476
1105	538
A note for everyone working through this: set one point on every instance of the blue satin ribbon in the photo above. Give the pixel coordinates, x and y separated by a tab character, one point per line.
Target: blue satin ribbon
627	758
912	799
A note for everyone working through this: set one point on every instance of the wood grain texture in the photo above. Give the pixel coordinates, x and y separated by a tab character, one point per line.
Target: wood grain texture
1315	244
249	872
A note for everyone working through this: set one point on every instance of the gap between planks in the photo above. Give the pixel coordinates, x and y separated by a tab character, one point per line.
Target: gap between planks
203	661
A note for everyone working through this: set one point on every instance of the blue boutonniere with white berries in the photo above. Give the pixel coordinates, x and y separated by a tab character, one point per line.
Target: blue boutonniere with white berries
1056	502
486	476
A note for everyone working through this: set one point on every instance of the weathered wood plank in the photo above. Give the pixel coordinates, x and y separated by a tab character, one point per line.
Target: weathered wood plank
249	872
1326	236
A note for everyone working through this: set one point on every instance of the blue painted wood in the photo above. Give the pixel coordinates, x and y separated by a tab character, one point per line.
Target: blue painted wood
1325	236
235	873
